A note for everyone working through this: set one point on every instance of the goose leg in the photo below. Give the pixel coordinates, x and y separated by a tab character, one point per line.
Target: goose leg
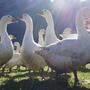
10	69
1	72
18	67
75	68
3	68
76	80
31	74
42	73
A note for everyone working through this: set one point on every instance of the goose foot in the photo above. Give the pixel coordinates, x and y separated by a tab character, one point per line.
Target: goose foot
10	70
3	71
78	83
42	73
18	68
31	74
3	68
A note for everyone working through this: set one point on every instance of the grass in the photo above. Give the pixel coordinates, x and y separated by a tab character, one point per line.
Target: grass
20	80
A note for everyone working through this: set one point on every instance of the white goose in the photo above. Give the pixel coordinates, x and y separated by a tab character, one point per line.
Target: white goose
50	36
6	47
16	60
31	59
70	53
41	39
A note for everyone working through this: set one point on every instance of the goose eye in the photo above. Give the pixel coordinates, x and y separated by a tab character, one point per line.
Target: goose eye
8	16
45	10
25	15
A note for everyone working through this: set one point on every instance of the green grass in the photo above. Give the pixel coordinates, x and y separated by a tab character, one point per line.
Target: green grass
20	80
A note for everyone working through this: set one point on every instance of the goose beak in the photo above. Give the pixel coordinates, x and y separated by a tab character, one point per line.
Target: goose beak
14	20
19	18
40	13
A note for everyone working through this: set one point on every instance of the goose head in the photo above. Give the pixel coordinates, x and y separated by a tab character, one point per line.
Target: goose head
87	23
17	46
86	15
26	18
66	32
83	20
5	20
28	21
45	14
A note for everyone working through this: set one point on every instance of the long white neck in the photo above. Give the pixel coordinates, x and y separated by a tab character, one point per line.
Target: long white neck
29	29
41	40
3	27
28	36
4	34
50	32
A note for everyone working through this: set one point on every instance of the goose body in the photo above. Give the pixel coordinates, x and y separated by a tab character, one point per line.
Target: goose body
74	51
67	34
29	46
6	47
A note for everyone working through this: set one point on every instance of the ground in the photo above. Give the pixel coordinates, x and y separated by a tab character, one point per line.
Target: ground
20	80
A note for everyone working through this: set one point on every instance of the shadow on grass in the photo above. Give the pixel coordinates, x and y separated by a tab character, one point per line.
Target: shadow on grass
60	83
84	70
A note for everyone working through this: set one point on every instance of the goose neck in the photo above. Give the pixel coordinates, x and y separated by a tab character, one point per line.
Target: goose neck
3	27
50	21
29	29
41	40
50	32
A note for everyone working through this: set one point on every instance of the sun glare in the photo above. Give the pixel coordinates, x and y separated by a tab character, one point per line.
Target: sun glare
82	0
52	0
58	4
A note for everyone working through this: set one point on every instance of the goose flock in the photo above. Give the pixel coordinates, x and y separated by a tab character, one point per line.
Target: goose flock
63	56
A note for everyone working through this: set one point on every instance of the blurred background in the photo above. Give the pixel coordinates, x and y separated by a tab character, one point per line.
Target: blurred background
63	11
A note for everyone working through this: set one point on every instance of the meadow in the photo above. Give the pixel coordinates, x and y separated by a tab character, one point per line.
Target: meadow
21	80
